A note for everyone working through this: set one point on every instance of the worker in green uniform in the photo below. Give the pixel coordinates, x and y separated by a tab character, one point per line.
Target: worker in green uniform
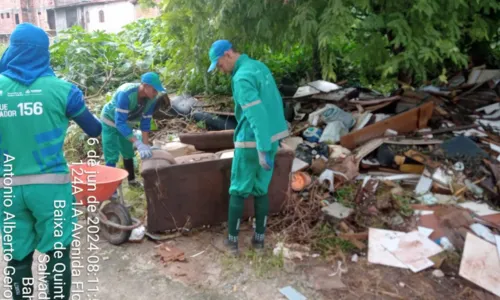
132	104
261	125
37	196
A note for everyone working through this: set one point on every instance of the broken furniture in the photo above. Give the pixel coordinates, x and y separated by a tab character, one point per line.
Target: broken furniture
212	141
195	193
406	122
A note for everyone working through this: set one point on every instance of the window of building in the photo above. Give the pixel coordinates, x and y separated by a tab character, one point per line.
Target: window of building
17	18
51	19
1	16
101	16
39	13
87	17
8	15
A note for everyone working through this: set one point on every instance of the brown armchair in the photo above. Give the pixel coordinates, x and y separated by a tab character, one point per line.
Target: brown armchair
194	194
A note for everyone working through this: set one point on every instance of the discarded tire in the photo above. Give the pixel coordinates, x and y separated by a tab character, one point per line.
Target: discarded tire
116	213
214	122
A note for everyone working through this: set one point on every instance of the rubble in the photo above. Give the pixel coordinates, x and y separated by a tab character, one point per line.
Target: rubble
292	251
422	166
438	273
481	264
291	294
169	253
406	177
337	212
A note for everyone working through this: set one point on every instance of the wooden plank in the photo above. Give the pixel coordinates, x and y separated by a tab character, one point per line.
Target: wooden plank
422	158
375	101
405	122
424	114
377	107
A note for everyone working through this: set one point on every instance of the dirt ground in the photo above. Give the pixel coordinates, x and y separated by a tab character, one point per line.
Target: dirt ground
134	271
261	277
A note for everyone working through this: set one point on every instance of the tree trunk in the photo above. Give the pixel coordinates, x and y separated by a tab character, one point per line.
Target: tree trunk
316	61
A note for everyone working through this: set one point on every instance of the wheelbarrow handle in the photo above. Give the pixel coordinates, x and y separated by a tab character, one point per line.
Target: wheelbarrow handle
103	219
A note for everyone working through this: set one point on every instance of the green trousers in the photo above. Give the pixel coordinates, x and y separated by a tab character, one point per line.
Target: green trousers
37	217
249	178
114	144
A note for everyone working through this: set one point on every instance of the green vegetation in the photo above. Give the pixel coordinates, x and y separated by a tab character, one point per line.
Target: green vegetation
264	264
201	125
327	242
345	195
373	43
370	43
404	204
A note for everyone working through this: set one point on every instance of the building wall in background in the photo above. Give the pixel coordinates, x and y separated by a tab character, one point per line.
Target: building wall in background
13	12
109	17
57	15
9	9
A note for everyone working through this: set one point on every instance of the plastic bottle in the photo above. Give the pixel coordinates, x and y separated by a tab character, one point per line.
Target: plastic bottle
312	134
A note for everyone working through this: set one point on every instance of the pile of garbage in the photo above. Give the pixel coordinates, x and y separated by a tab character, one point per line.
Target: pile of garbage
403	177
406	176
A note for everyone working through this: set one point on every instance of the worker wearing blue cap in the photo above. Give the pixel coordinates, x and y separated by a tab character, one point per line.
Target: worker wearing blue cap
132	104
261	125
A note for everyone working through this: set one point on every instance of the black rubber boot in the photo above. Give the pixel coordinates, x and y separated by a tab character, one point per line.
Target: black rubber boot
59	269
257	245
22	277
136	184
129	167
231	247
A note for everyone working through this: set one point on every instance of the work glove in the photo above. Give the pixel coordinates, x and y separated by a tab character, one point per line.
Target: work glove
265	160
144	150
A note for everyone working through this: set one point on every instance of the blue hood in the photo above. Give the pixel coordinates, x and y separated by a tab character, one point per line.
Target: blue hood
27	57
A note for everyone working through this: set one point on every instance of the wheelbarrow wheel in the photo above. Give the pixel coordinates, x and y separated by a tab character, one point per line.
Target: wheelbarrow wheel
118	214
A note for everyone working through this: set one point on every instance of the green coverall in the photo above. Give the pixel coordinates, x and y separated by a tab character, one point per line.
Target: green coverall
118	117
261	125
37	208
37	196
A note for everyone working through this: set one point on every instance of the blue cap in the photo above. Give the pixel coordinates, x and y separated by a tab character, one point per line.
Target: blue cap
153	80
216	51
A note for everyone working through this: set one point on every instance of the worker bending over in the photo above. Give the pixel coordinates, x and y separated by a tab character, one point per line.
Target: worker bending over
132	104
35	110
261	125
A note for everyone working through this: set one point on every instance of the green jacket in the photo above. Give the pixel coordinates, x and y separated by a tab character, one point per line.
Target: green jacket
258	106
125	111
33	124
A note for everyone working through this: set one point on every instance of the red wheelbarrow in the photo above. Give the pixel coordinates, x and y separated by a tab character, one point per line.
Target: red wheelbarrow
92	187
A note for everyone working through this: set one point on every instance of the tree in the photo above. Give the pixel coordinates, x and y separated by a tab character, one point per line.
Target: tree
408	40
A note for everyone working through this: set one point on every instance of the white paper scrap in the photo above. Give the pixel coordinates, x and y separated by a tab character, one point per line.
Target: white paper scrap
425	231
